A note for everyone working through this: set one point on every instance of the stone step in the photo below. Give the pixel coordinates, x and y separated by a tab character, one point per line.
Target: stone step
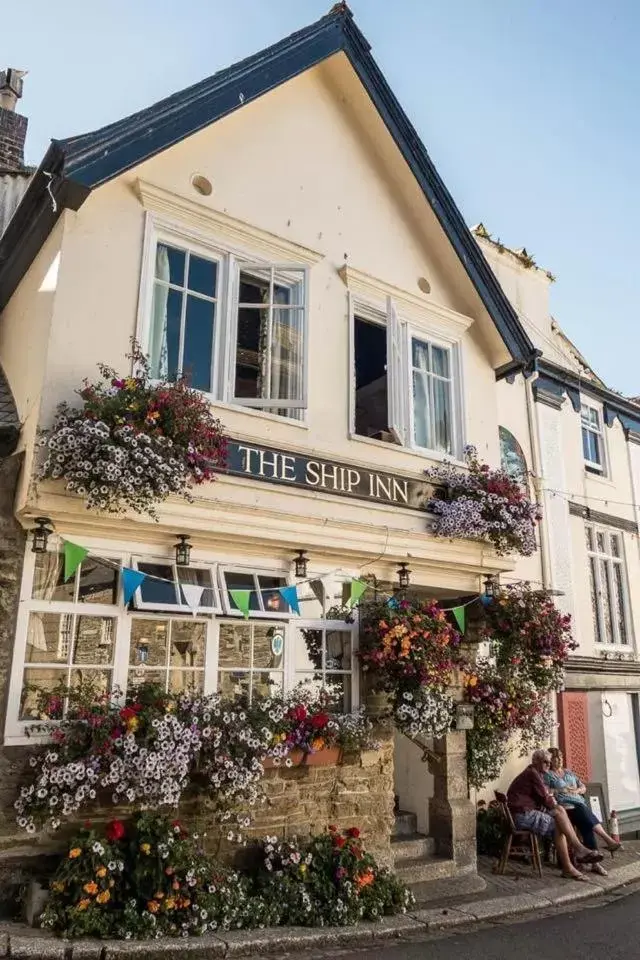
424	869
411	847
406	824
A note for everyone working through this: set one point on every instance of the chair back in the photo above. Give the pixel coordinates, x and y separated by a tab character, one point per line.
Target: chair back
501	800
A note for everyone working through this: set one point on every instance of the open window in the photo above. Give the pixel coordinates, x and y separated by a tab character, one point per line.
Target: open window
593	447
268	365
161	590
265	599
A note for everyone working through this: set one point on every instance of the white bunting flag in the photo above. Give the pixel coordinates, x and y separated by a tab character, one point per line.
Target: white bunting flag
192	594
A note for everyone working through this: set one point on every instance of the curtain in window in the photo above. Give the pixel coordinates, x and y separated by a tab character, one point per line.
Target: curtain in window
158	346
421	432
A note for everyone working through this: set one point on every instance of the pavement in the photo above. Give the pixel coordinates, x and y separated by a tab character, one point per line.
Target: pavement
519	894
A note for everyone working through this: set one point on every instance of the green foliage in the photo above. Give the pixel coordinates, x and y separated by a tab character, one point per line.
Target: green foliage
490	830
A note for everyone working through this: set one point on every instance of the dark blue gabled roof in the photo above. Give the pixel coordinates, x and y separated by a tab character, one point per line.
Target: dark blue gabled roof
85	162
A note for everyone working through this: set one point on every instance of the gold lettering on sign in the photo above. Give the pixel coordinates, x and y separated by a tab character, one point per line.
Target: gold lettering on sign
273	465
401	490
288	467
353	479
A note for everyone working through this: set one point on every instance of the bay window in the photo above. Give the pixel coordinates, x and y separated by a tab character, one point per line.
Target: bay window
405	383
235	329
609	593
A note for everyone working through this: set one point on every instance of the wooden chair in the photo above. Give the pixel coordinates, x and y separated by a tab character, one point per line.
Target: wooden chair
522	840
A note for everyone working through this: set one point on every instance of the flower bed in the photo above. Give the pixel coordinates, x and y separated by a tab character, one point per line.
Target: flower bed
133	442
483	504
151	879
410	651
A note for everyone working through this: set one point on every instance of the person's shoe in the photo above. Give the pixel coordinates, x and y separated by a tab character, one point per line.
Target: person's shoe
591	856
599	869
614	847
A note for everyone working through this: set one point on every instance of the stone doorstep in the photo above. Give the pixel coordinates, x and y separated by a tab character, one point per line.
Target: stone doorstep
280	939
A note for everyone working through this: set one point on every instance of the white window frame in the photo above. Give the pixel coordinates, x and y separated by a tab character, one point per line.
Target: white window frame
283	274
210	649
253	622
400	415
609	562
297	676
142	605
230	261
262	613
593	465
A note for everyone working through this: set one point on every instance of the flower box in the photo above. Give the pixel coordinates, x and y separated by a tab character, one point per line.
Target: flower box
329	757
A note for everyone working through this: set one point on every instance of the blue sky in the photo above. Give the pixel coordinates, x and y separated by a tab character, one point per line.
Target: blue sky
529	109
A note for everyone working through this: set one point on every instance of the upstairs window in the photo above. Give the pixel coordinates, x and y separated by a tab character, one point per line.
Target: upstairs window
265	599
592	438
609	594
405	384
162	588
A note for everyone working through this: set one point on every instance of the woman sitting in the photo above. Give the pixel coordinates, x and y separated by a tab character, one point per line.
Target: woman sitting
569	791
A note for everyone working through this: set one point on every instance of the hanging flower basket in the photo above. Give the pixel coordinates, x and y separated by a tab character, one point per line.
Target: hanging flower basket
133	442
483	504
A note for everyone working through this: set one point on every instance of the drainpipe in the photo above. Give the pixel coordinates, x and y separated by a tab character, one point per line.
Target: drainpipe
545	547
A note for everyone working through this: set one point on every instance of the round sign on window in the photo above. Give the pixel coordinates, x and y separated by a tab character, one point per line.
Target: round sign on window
277	643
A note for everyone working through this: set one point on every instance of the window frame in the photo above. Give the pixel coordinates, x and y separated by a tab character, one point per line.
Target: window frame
326	625
414	333
210	648
261	614
144	606
592	466
610	561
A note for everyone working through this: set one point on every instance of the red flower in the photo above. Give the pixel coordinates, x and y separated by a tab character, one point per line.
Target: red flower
115	831
319	721
339	842
353	832
127	713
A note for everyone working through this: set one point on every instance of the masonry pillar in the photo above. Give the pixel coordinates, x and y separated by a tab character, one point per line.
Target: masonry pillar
452	815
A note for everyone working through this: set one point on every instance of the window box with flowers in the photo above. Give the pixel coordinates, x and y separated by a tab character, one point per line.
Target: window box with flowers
134	441
483	504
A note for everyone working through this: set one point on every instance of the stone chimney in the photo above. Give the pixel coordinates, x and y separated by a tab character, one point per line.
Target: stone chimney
13	126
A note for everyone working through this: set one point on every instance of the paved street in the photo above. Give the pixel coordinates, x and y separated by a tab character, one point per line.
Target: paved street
610	930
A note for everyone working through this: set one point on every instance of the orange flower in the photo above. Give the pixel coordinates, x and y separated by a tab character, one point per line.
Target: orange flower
101	872
103	897
75	853
159	895
91	888
153	906
364	879
83	904
317	744
185	902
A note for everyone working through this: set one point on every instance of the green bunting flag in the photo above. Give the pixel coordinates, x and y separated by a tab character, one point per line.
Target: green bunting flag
461	615
358	587
73	557
242	599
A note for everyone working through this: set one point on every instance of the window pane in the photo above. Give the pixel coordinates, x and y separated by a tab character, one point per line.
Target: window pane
338	650
251	352
308	649
235	645
139	675
198	343
272	600
268	646
35	684
594	600
442	415
170	264
94	640
186	681
148	642
98	582
164	343
48	579
586	449
371	401
156	591
605	599
420	355
253	289
233	684
614	541
311	600
202	275
266	684
339	688
618	585
201	577
49	638
594	448
242	581
440	361
92	682
187	643
282	294
589	537
421	431
600	543
286	355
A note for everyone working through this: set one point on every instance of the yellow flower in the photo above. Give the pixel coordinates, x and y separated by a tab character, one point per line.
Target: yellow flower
130	383
303	868
84	904
101	872
145	848
132	724
57	886
152	906
91	888
75	853
103	897
170	903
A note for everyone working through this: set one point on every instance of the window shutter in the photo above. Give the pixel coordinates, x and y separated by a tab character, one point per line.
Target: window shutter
397	395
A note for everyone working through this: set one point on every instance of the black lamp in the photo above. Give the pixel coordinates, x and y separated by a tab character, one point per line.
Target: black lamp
41	534
490	587
300	562
404	575
183	550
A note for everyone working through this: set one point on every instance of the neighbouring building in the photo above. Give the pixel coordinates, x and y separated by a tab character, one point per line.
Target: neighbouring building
578	441
282	214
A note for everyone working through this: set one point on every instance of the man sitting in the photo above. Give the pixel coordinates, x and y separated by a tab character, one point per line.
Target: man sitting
534	808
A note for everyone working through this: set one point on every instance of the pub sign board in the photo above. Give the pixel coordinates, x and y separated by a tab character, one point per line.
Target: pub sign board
286	468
